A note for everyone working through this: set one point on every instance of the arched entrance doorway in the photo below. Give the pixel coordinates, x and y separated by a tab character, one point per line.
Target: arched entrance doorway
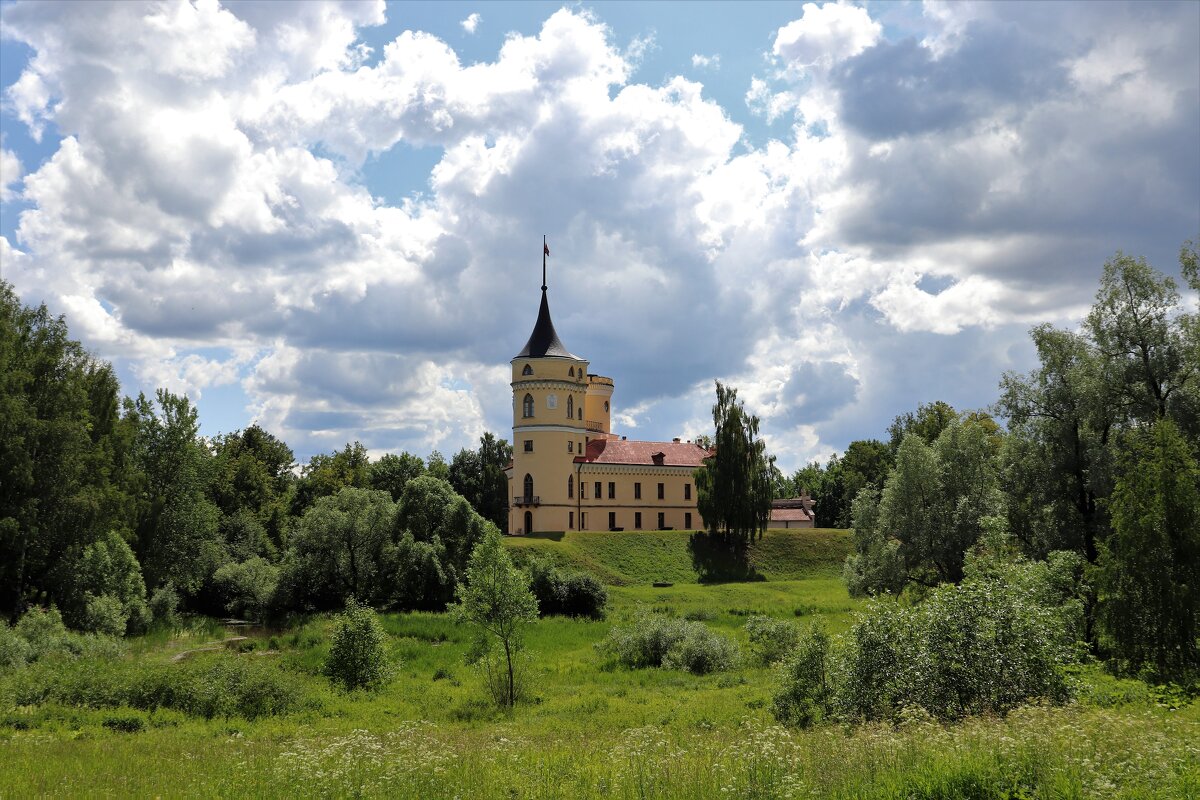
529	522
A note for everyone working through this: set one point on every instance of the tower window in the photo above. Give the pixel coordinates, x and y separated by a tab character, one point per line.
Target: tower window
529	445
528	370
570	407
581	415
528	486
570	486
570	447
527	406
606	405
571	372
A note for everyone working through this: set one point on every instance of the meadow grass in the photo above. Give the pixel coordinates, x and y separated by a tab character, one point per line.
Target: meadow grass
590	729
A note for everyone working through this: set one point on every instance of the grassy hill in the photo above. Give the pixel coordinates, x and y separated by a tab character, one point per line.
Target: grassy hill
623	558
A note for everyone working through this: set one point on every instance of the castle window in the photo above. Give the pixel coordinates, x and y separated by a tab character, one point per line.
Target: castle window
687	495
612	490
570	486
612	520
570	447
571	520
528	486
571	372
606	405
637	520
528	370
637	491
529	445
662	521
599	494
570	407
527	406
687	521
581	415
662	493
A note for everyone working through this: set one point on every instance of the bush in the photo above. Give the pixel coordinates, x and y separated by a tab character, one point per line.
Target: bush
701	651
357	656
804	692
218	686
15	652
164	606
657	641
570	594
105	614
247	587
771	639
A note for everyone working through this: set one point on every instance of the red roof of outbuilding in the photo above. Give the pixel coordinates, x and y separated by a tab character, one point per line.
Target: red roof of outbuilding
620	451
789	515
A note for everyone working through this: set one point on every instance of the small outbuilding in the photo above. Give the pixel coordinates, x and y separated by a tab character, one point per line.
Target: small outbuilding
794	512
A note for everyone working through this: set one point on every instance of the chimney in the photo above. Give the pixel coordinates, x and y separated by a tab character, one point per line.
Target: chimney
623	438
675	440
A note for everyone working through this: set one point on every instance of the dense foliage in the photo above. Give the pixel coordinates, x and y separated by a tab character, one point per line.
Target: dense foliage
656	640
734	488
357	654
565	592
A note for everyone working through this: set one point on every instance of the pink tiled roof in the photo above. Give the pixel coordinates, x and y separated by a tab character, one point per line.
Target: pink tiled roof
789	515
619	451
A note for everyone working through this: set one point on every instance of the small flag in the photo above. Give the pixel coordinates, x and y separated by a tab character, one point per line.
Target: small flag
546	247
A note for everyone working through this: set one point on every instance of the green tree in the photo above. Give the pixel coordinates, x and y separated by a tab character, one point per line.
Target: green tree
391	473
494	456
496	598
1149	586
325	475
104	568
358	653
437	467
252	473
734	488
466	476
341	549
933	507
64	476
928	422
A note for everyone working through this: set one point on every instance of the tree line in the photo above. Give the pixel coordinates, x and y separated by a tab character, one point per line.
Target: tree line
112	506
1097	459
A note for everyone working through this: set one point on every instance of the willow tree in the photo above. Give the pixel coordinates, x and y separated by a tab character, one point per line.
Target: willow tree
734	488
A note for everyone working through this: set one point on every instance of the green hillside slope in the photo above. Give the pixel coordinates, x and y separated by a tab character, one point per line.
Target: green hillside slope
623	558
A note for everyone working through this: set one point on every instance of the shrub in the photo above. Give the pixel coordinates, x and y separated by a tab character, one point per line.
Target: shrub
15	652
570	594
221	685
164	606
247	587
652	640
771	639
804	692
357	656
125	723
702	651
105	614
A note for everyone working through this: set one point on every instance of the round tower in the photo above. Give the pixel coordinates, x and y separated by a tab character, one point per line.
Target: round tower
550	391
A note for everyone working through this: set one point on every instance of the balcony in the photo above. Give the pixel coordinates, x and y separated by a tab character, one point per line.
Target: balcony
526	500
592	425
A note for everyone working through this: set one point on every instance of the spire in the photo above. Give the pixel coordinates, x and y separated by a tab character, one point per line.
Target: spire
544	340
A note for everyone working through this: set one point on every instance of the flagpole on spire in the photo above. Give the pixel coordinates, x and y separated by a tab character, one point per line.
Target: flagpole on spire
545	252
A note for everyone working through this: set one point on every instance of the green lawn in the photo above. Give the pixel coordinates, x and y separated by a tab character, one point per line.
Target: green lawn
590	730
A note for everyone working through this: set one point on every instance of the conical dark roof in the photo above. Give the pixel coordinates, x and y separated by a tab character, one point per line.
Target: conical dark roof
544	340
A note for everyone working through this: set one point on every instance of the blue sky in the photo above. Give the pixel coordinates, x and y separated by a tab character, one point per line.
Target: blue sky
326	217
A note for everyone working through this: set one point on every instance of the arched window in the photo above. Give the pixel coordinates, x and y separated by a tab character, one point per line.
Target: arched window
527	406
571	372
528	370
528	522
570	407
570	486
606	405
581	415
528	486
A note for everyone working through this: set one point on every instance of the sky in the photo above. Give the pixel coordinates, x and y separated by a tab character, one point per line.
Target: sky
327	217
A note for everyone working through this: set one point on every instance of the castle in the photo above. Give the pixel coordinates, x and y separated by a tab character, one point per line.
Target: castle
569	470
